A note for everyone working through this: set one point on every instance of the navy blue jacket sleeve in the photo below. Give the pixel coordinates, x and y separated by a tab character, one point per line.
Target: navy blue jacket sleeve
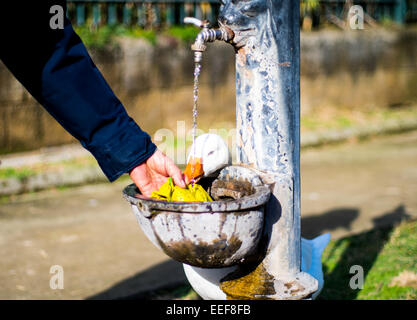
55	67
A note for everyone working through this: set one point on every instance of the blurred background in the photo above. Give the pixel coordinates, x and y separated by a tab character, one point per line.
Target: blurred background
358	158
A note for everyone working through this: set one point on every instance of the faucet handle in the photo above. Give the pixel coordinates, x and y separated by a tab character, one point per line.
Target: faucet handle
197	22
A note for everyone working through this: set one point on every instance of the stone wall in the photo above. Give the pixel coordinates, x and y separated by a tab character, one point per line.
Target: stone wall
360	70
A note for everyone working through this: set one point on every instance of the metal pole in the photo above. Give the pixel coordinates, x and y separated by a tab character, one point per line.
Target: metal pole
268	137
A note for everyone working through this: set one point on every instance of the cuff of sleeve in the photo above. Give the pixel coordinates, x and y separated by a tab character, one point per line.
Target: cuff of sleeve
124	152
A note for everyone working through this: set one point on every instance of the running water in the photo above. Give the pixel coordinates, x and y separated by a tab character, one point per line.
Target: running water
197	70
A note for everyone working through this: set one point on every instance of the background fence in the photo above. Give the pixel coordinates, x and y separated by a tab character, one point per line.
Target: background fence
162	13
154	13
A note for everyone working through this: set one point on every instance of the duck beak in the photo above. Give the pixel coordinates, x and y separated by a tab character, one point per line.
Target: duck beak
193	170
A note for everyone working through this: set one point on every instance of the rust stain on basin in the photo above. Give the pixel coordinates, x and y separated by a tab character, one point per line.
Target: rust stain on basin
202	253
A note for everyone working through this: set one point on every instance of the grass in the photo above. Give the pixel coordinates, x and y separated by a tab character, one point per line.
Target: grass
336	118
384	254
24	172
20	174
95	38
41	167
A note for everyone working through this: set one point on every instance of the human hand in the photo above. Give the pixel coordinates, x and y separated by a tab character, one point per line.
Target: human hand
154	172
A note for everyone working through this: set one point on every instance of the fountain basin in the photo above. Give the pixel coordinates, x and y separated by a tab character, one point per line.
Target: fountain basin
215	234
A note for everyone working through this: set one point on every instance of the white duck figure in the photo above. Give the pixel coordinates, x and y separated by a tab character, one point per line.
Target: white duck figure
210	155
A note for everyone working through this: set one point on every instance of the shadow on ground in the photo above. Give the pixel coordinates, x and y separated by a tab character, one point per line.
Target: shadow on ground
363	250
314	226
140	286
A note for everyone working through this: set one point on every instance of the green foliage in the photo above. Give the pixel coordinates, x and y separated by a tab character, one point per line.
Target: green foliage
136	32
95	38
103	36
149	35
184	33
387	22
308	6
100	37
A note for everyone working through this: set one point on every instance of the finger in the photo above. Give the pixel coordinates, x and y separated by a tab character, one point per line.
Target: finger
187	180
181	181
174	172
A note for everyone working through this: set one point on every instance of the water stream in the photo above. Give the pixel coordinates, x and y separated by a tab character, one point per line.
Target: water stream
197	70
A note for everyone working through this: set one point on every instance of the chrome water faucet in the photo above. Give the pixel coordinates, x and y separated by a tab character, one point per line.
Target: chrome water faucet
207	35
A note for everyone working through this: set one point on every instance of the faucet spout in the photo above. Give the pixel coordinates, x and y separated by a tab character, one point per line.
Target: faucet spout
207	34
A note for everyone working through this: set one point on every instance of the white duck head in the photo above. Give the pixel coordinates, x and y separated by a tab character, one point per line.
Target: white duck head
209	153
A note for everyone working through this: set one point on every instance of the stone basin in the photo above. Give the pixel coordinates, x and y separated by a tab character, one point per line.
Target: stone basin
215	234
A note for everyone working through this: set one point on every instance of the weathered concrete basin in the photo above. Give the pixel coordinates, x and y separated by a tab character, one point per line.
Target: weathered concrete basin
214	234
